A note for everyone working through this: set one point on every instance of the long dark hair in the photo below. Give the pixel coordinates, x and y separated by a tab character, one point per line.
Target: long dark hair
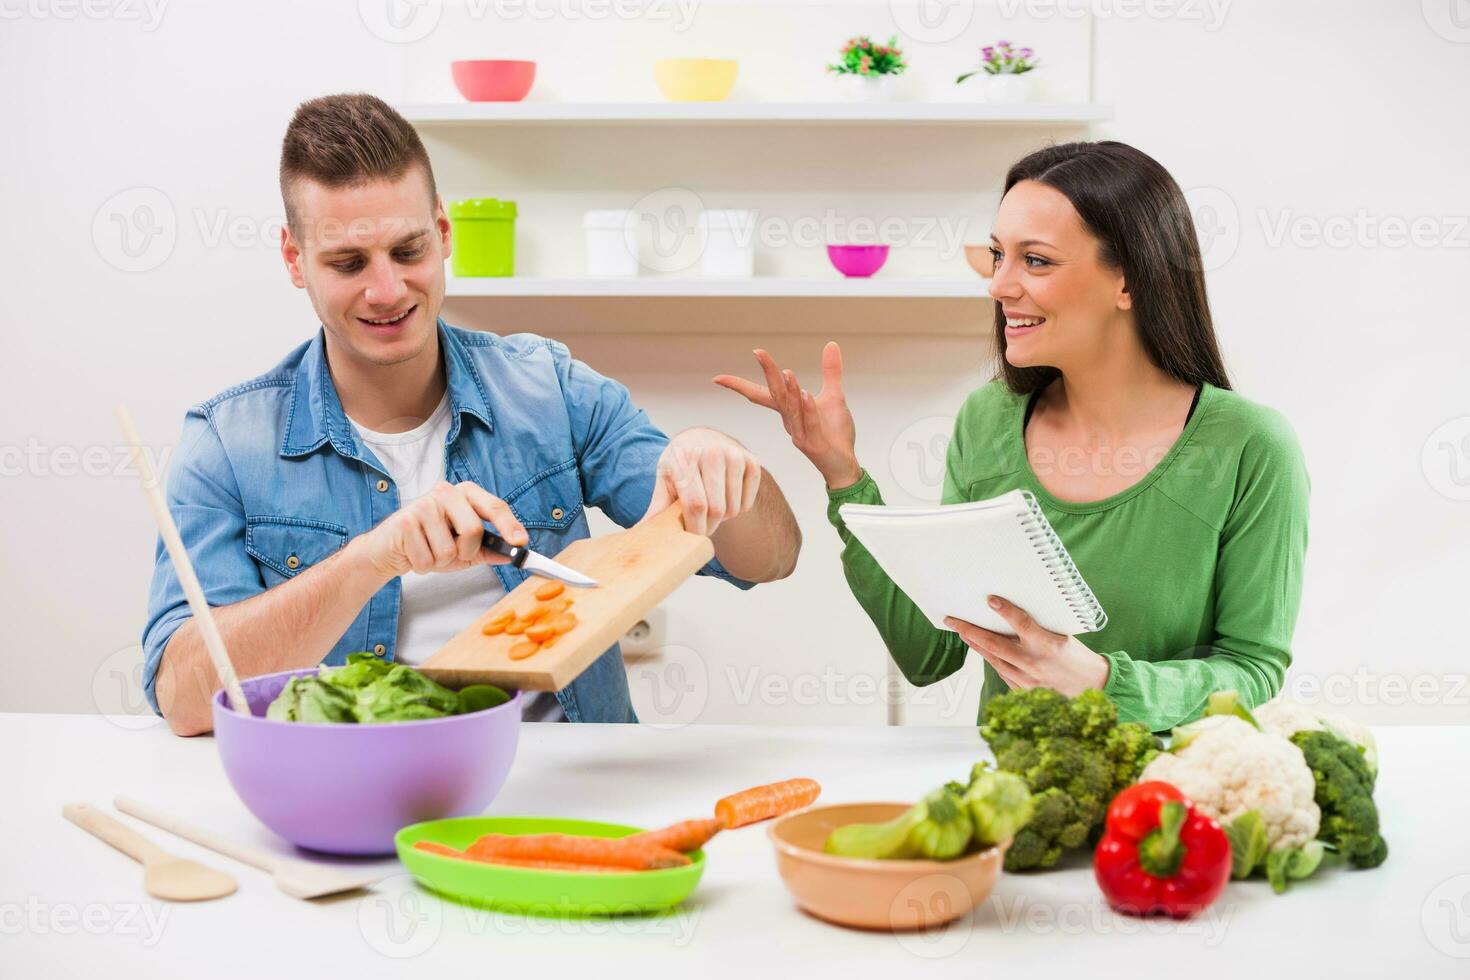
1140	218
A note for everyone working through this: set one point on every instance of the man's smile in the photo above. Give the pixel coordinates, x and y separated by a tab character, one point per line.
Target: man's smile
390	323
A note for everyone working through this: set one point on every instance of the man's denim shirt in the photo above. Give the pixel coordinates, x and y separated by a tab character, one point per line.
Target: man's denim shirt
269	478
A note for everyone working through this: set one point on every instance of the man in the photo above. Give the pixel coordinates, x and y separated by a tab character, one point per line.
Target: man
337	502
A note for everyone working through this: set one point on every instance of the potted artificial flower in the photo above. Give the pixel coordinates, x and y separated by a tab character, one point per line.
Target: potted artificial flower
866	70
1004	67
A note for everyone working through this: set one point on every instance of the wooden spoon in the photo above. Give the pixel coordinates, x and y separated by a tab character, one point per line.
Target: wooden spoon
183	568
299	879
165	876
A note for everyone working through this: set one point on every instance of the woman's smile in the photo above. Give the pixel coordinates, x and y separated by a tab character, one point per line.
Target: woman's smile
1022	324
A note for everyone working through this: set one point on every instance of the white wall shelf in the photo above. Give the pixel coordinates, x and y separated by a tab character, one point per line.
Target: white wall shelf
756	286
769	113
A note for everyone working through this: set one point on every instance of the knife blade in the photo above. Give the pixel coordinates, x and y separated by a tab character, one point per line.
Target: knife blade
532	561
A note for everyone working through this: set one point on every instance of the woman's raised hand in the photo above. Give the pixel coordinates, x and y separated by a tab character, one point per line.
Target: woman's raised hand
820	425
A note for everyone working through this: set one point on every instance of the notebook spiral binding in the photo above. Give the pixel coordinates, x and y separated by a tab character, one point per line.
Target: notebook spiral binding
1088	612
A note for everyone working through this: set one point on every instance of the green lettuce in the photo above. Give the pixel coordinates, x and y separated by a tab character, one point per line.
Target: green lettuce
367	690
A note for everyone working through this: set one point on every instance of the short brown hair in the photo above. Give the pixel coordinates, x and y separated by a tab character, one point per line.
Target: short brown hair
348	140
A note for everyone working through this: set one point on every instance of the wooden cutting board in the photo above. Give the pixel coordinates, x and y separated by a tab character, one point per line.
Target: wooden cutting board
636	569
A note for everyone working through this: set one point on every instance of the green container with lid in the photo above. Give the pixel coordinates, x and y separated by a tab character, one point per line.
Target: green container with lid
484	237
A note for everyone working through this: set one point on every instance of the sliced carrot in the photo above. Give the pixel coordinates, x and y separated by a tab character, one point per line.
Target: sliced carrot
434	847
517	627
496	624
540	631
542	610
524	649
764	802
550	590
556	606
685	836
548	642
621	853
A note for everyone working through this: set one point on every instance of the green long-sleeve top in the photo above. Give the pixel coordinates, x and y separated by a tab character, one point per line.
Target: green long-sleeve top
1198	565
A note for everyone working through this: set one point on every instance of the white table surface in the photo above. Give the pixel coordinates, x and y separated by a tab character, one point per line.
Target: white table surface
70	906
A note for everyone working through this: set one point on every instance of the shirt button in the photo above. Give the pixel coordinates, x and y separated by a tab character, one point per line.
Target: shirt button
380	649
382	486
557	513
293	562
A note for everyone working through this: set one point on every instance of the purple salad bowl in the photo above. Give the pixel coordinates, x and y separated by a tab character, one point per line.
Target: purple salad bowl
347	789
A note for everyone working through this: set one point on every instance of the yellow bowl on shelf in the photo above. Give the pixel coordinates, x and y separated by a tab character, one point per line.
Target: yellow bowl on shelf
695	79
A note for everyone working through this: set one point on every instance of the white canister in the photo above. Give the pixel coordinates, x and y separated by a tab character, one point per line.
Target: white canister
612	243
727	239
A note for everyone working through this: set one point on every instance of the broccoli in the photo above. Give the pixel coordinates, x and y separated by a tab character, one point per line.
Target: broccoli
1038	711
1345	796
1053	825
1130	746
1074	756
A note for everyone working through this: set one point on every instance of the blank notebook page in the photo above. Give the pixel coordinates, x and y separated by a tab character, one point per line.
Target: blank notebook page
950	559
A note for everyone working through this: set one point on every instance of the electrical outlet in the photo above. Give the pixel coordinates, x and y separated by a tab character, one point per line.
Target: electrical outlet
644	637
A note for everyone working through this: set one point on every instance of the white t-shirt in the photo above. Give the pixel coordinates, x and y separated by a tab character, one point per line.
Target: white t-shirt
437	606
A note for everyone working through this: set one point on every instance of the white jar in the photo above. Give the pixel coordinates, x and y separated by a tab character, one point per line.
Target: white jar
727	239
612	243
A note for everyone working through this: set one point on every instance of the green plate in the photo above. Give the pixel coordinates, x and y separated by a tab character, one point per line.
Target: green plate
536	892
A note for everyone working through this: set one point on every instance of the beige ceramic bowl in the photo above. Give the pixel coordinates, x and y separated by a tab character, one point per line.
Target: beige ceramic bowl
888	895
980	259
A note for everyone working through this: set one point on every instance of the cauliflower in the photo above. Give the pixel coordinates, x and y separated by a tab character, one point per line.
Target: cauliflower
1226	768
1286	718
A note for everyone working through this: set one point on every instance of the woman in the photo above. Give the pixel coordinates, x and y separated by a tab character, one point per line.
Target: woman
1183	504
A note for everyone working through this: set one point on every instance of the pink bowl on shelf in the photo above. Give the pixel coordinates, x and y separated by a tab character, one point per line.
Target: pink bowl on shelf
493	81
857	261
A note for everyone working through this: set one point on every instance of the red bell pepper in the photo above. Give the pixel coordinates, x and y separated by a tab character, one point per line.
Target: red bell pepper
1158	855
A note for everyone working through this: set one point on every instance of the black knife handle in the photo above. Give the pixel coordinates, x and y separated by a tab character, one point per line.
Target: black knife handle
500	546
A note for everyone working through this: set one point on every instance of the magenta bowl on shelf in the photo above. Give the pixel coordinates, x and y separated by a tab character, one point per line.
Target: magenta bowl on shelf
857	261
493	80
347	789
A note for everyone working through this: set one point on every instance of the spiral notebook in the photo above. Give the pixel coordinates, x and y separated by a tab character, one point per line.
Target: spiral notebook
950	559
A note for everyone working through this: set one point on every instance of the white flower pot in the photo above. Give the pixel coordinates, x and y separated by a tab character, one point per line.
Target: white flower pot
866	88
1007	88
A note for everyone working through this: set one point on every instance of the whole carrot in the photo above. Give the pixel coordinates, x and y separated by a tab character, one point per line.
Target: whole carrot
433	847
606	869
684	837
577	850
764	802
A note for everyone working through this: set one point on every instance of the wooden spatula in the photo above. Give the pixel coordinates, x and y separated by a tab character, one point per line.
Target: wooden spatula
299	879
165	876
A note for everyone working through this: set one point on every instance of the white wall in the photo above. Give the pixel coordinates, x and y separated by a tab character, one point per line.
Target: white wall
1270	117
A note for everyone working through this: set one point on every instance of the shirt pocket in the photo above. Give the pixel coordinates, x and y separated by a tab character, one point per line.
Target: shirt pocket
550	500
286	546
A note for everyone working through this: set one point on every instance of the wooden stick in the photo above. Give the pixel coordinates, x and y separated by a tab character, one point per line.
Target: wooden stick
203	617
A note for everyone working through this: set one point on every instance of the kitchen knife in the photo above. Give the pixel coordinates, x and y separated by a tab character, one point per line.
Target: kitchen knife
531	561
